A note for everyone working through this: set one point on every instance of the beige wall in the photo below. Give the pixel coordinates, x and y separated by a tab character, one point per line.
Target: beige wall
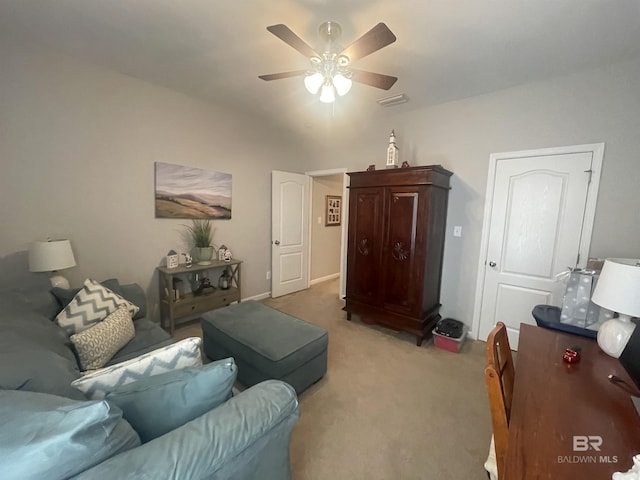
325	241
77	148
596	106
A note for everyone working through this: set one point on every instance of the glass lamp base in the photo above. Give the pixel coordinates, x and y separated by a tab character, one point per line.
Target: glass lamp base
59	281
614	334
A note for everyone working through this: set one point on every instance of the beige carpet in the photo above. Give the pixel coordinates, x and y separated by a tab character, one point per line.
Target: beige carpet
386	409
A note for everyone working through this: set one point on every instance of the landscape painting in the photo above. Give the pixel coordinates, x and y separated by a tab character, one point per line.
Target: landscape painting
187	192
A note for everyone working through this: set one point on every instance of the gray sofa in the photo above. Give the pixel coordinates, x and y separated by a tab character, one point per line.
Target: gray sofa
245	437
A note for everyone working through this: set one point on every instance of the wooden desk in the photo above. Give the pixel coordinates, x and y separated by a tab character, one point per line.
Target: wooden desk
554	401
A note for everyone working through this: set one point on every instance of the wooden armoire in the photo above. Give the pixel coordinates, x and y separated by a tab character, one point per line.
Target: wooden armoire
397	221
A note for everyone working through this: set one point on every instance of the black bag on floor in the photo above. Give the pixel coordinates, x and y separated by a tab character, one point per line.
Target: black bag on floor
449	327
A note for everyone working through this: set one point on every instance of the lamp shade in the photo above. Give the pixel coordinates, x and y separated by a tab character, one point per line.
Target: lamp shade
51	256
342	84
327	94
618	287
313	82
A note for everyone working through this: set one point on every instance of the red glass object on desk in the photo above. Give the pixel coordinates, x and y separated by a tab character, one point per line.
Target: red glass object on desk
571	355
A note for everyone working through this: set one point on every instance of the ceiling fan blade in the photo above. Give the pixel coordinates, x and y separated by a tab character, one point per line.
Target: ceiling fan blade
278	76
285	34
378	80
378	37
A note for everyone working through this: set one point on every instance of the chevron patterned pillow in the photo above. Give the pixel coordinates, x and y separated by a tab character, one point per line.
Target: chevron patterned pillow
91	305
185	353
95	346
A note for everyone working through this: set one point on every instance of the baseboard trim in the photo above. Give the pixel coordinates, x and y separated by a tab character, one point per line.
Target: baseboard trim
260	296
324	279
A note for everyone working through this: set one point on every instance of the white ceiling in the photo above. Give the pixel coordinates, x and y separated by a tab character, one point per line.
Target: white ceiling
446	49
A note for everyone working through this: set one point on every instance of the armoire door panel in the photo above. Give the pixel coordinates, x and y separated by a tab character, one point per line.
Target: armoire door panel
400	256
365	245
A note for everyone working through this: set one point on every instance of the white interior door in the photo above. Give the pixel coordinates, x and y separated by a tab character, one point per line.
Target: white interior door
289	232
540	219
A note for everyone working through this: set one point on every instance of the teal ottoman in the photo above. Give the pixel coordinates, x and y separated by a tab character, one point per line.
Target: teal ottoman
266	344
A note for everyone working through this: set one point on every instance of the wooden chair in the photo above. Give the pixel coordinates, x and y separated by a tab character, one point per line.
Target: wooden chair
499	375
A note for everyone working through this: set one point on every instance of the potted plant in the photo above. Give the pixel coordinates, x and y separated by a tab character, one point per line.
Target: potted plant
201	234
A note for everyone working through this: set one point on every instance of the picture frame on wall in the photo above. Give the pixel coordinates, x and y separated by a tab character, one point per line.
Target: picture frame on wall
333	211
189	192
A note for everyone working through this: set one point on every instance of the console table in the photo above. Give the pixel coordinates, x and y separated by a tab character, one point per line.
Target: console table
186	306
553	402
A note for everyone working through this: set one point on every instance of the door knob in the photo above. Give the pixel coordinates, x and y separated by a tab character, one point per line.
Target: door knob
277	242
492	264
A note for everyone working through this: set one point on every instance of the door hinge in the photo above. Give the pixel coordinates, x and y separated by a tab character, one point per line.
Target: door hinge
590	172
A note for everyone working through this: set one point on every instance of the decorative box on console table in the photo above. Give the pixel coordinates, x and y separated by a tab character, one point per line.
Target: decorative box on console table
397	221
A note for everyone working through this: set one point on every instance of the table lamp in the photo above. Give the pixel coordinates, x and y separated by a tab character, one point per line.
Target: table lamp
618	289
52	256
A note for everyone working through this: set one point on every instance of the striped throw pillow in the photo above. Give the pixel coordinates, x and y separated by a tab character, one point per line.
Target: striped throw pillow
185	353
92	304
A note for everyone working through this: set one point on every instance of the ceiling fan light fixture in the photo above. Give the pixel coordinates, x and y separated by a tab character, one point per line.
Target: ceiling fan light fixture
331	71
327	95
342	61
313	82
342	84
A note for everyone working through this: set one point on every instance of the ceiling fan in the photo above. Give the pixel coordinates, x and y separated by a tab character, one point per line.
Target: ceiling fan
331	71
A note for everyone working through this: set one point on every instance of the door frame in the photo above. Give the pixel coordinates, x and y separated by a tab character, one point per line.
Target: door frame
344	226
597	155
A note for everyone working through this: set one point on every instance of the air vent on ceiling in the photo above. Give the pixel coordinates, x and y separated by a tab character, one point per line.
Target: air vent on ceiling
393	100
